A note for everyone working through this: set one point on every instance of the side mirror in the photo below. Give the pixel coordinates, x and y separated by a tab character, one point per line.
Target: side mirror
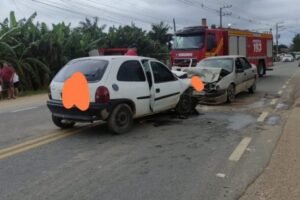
239	70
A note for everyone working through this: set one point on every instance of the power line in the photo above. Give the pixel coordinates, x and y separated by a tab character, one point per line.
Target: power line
131	11
204	6
121	16
76	12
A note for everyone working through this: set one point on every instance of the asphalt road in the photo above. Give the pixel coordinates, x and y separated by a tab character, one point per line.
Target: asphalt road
213	155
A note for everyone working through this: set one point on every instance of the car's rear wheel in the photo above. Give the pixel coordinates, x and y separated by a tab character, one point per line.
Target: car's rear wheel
121	119
231	94
187	104
61	123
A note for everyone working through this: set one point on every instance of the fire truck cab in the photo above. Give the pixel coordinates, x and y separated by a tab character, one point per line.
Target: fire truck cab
193	44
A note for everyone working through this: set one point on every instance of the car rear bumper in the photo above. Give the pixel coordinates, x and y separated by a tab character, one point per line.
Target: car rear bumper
95	112
214	97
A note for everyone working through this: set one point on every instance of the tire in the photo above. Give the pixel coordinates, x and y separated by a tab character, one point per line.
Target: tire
252	89
59	122
187	104
230	93
261	69
120	120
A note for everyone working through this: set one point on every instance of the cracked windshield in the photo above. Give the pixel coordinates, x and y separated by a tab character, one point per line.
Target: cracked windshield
149	100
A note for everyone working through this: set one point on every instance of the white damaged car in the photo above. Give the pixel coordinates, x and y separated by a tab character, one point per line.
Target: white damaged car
224	77
121	88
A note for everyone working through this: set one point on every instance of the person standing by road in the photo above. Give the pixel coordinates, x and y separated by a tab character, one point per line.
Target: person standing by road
16	82
132	51
7	75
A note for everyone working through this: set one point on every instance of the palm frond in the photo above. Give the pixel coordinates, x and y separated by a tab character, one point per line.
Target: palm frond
6	47
37	62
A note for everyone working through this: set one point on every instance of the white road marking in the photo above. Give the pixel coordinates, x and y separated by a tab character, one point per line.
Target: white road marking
283	87
220	175
240	149
274	101
280	92
262	117
24	109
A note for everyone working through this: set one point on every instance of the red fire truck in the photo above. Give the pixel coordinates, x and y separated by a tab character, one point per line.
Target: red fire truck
192	44
108	51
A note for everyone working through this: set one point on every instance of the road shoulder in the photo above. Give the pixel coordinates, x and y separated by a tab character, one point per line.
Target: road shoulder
281	179
23	102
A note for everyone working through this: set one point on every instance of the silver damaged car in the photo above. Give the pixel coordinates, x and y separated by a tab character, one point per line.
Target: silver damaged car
224	77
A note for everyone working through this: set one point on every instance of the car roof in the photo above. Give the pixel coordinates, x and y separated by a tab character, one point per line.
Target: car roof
108	58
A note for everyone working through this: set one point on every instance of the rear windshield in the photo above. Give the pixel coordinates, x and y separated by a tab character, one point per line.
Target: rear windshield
93	70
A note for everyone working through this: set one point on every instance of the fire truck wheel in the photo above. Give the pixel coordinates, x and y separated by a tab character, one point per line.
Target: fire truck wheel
261	69
230	93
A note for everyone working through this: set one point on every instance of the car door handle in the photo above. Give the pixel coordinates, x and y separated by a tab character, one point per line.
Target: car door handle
157	90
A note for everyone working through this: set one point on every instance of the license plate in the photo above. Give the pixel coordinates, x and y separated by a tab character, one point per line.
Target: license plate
198	93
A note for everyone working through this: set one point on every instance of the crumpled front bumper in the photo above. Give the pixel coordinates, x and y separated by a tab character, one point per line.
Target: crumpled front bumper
211	97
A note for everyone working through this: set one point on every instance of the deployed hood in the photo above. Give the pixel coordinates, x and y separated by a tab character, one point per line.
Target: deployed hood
208	75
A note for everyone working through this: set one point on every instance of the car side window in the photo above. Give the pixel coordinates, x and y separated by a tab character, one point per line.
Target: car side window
161	73
246	65
238	64
131	71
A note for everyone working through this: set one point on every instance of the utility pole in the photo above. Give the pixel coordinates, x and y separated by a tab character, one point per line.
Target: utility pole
174	25
224	14
277	36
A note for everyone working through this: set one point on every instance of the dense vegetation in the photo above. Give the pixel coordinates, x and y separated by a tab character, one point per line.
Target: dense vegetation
38	51
296	43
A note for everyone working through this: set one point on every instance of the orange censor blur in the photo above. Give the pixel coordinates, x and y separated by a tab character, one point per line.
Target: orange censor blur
197	83
76	92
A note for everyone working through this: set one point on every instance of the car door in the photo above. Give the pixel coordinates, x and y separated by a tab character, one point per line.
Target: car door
165	92
240	76
132	85
148	71
250	73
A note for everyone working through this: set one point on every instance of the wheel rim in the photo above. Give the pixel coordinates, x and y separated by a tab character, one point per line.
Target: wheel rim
254	87
122	118
231	93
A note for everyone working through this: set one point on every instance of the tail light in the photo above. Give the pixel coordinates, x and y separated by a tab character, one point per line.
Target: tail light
49	93
102	95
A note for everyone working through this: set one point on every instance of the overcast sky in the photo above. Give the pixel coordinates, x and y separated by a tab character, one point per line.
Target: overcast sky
258	15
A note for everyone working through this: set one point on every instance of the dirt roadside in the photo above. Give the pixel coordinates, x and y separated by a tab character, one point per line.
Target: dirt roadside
281	179
22	102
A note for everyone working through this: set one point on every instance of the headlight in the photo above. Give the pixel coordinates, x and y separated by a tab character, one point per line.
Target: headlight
212	86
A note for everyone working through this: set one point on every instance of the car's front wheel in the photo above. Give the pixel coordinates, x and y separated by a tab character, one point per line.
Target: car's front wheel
252	89
187	104
61	123
230	93
121	119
